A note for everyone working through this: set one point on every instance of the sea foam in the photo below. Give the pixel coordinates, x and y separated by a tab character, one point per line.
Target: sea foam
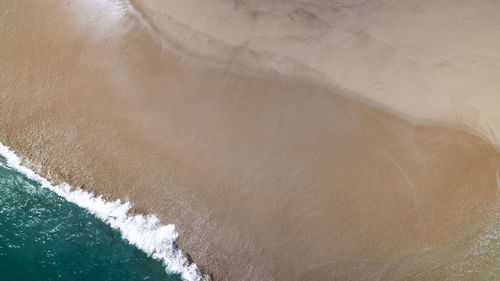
144	232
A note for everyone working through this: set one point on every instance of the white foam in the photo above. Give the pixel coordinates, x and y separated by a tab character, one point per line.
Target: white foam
145	232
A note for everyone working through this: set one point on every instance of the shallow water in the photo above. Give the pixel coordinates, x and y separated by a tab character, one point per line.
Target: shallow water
44	237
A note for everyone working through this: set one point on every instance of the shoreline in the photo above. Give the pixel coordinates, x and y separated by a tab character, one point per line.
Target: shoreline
267	177
142	231
437	77
261	64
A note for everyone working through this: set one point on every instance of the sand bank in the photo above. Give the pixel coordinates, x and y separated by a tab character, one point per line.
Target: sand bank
266	175
426	61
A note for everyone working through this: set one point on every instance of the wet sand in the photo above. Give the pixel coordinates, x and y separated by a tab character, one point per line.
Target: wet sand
267	175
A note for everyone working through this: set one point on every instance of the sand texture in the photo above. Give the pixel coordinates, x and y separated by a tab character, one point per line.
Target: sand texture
430	61
286	140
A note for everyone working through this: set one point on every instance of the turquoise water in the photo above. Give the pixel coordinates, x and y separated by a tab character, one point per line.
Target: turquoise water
44	237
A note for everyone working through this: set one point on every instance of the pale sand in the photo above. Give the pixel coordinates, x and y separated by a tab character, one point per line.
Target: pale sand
427	60
267	176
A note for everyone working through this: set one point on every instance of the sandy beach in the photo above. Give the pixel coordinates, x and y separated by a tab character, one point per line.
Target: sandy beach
317	140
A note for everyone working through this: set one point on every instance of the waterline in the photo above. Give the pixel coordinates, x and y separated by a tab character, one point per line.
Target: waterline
144	232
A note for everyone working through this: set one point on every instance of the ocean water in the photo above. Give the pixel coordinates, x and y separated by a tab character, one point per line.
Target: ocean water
50	232
45	237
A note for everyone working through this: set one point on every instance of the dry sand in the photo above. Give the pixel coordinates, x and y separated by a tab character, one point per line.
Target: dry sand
427	60
268	170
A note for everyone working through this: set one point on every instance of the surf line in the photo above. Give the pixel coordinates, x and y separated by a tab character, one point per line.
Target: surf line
143	231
